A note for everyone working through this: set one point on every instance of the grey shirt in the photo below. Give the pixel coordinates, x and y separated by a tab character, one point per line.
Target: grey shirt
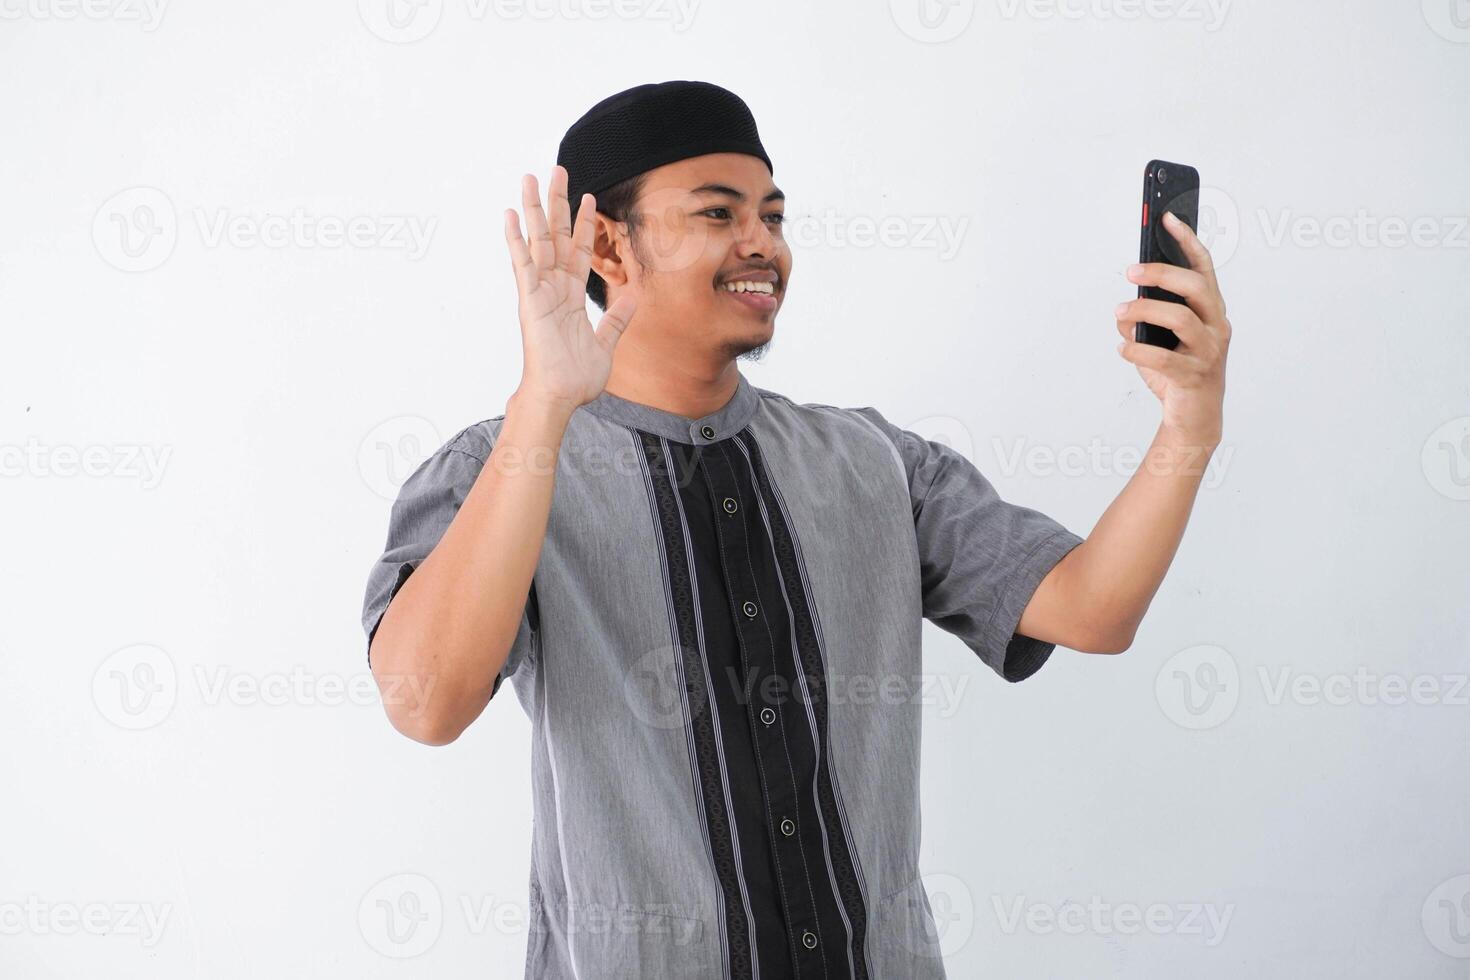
720	659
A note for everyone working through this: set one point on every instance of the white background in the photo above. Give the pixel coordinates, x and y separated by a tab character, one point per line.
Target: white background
190	730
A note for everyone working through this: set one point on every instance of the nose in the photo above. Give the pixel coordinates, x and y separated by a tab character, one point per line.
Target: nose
756	239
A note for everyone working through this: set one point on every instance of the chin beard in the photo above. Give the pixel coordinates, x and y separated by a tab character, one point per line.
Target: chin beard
752	353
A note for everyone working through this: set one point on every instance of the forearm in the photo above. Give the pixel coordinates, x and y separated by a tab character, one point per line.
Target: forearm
1095	597
1110	579
448	631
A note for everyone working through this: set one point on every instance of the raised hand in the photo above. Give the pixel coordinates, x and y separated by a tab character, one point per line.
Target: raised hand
1189	380
566	362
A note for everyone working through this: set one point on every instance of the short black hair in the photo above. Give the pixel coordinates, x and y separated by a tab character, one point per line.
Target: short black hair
617	203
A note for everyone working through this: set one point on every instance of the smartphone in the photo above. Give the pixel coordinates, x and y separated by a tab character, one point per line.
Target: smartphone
1166	187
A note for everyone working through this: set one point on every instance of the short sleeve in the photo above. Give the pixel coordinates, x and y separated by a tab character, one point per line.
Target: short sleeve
426	504
980	557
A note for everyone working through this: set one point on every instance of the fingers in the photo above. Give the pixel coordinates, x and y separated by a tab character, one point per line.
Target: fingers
543	249
1189	365
1184	282
520	255
1194	249
582	236
1176	316
1198	291
561	217
615	321
1183	370
1170	363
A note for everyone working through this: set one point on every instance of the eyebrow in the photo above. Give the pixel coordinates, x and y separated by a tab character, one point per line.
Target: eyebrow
775	195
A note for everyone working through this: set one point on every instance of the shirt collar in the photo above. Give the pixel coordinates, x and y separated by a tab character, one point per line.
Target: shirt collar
721	424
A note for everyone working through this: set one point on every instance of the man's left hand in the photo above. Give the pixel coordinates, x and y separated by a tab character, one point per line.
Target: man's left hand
1190	379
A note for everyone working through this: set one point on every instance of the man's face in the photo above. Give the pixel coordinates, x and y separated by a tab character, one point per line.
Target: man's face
706	223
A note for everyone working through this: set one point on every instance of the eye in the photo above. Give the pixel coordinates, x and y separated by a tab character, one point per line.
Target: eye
724	213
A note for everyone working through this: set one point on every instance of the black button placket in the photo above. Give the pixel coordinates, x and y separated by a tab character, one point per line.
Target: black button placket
762	640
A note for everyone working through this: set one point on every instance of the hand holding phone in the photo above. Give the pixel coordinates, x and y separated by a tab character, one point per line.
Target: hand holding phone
1166	187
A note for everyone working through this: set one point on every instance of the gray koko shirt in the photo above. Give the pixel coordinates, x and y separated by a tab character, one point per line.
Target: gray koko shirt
720	658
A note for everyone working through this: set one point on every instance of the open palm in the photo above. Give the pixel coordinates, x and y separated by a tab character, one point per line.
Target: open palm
565	359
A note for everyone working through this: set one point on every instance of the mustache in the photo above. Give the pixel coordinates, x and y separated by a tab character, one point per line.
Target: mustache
738	273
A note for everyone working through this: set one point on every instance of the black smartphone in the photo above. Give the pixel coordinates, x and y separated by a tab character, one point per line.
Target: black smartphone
1166	187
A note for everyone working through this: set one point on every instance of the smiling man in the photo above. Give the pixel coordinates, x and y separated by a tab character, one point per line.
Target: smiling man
710	595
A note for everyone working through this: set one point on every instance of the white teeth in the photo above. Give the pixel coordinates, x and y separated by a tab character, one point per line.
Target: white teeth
745	286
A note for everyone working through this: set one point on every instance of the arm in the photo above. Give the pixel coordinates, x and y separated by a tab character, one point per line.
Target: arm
448	631
1096	597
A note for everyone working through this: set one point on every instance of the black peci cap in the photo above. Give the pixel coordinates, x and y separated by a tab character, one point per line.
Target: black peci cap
650	125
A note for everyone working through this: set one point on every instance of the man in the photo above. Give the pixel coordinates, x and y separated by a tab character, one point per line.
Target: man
693	580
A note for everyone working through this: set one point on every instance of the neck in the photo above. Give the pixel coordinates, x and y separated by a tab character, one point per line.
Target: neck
689	386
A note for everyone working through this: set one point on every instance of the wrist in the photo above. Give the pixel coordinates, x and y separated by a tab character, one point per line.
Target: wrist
1181	452
1193	438
529	403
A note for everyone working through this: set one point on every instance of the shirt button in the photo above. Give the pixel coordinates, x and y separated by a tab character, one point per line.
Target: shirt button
768	716
809	939
787	827
730	505
749	608
707	431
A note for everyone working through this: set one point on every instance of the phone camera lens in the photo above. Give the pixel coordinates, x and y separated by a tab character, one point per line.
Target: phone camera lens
1163	175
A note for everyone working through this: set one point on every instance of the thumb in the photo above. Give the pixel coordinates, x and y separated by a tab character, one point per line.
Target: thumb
610	328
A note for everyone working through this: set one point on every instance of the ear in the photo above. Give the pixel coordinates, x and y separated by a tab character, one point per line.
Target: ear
609	243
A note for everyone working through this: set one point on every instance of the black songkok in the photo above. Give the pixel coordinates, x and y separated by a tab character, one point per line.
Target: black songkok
650	125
